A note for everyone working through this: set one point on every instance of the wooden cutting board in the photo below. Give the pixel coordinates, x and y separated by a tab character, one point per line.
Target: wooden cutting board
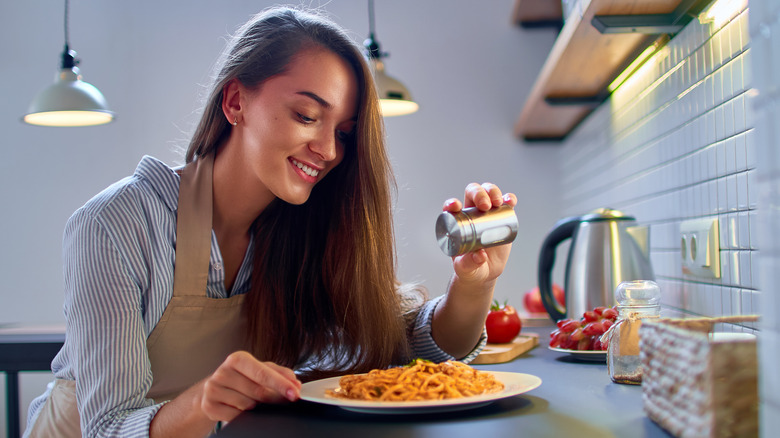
500	353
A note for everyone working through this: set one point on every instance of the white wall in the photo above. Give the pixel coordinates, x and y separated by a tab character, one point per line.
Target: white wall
765	43
466	65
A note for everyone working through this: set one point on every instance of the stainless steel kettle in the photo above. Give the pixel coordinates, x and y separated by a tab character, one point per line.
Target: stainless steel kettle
607	247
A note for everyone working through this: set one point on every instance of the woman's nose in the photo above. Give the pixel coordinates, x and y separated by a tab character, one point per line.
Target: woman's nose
325	146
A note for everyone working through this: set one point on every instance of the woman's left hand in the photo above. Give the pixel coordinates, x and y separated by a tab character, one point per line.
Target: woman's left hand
481	267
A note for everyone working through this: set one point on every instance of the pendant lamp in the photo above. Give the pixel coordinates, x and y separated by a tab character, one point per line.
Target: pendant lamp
69	101
394	97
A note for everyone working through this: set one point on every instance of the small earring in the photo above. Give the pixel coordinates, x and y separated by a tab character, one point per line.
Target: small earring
235	121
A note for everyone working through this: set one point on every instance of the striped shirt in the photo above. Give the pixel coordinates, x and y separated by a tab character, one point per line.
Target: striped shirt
118	253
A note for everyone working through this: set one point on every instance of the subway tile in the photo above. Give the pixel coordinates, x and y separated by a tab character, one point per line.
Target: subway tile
738	75
698	58
713	300
721	159
745	269
747	69
701	301
725	267
735	265
746	302
714	45
726	50
712	189
737	42
723	205
708	61
751	147
736	301
743	202
725	302
731	192
753	229
740	150
729	119
725	231
728	81
743	223
730	145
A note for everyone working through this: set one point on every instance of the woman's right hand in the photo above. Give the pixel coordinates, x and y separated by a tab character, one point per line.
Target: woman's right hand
241	382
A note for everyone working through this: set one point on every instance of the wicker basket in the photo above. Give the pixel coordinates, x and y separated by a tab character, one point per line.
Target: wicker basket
699	384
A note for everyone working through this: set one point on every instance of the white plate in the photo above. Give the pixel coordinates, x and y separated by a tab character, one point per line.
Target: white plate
514	384
591	355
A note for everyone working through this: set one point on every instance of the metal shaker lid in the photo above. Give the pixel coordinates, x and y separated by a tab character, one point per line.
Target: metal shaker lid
606	214
450	234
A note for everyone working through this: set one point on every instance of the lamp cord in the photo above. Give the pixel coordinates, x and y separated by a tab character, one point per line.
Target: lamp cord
68	56
66	23
371	17
371	45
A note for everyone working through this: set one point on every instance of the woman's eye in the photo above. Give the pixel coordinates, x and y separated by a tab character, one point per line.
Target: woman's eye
304	119
344	137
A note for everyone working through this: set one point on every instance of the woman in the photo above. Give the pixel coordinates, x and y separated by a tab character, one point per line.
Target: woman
194	294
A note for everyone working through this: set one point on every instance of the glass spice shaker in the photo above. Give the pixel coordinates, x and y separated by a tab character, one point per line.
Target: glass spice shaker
637	300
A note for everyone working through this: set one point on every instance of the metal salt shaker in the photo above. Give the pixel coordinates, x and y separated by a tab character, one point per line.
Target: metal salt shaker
471	229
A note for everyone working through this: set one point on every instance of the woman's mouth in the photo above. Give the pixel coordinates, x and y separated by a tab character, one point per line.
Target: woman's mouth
306	169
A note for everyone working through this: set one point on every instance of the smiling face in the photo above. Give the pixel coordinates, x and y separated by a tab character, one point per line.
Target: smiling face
295	126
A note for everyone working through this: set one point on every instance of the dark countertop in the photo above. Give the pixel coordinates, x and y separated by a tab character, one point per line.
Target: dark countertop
576	399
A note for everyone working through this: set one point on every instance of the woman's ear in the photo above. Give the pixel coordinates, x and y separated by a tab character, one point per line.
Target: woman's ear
231	101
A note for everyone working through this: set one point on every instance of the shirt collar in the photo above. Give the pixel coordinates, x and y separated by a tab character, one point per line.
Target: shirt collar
163	178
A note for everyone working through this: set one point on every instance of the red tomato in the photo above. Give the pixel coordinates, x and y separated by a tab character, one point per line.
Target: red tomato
532	299
503	324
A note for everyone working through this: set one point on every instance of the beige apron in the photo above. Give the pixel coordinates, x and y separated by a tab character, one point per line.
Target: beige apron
195	333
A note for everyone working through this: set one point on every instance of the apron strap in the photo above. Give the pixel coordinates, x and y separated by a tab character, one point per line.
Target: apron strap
193	222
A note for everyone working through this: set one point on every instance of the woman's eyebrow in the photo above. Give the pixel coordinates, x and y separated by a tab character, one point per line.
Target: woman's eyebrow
324	103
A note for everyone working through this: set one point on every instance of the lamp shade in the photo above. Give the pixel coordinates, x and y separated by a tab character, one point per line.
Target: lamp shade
394	97
69	102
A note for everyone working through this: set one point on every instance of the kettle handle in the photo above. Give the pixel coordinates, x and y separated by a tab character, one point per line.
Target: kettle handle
562	230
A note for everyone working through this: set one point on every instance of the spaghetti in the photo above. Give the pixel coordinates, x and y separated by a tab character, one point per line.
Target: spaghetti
420	380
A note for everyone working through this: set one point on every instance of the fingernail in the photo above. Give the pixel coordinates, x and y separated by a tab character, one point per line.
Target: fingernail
290	395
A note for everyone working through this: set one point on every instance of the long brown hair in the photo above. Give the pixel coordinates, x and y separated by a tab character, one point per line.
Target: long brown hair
323	280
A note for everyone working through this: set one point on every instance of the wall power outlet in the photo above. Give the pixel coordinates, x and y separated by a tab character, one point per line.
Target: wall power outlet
700	248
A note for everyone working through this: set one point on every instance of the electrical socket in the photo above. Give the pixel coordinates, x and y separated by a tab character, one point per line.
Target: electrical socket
700	248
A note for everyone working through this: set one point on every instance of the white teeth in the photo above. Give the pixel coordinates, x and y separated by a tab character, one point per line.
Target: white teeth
306	169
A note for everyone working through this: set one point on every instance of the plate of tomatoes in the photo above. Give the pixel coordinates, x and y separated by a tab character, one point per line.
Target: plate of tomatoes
581	337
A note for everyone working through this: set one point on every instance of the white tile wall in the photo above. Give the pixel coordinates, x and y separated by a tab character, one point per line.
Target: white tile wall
693	134
674	142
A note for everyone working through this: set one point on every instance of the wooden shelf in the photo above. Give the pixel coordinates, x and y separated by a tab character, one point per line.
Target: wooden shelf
584	61
538	13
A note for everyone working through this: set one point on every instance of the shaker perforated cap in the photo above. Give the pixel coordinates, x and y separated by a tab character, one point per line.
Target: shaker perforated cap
452	235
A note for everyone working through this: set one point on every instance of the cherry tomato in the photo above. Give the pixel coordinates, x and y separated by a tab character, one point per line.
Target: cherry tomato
503	324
